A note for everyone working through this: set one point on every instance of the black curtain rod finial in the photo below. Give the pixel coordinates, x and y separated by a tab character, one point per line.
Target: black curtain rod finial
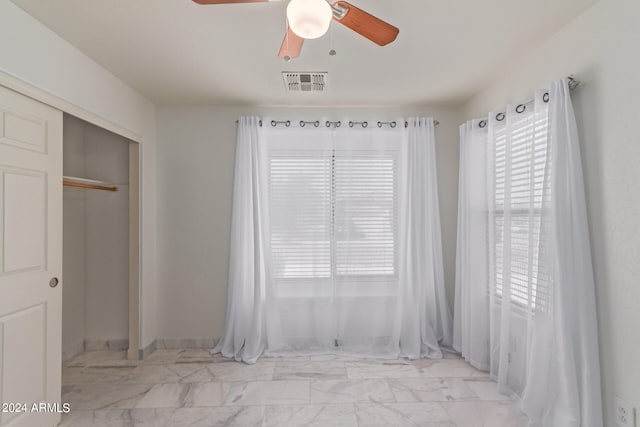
573	83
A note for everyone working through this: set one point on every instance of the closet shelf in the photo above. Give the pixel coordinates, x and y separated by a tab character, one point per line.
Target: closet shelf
72	181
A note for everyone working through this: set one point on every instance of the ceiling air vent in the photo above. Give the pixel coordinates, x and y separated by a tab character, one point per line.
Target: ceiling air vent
304	82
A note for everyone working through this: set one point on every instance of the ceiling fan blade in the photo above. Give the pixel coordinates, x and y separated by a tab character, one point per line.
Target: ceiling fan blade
291	45
365	24
229	1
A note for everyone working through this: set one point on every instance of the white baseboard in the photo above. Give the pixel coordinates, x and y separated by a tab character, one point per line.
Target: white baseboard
111	345
95	345
73	352
172	343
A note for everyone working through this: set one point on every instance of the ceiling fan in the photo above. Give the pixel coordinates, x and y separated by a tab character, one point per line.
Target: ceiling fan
310	19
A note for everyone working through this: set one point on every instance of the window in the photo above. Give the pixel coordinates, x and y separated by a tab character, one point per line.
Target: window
333	215
520	160
300	197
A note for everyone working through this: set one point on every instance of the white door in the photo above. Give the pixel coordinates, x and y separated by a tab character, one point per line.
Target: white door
30	261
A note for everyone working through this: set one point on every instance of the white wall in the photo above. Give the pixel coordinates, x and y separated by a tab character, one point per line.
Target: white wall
45	66
196	149
107	237
95	239
601	48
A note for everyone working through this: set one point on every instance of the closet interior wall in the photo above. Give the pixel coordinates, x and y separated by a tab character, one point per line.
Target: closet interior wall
95	241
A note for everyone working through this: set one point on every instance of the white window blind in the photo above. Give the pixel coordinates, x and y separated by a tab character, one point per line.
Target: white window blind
520	166
333	214
300	195
365	214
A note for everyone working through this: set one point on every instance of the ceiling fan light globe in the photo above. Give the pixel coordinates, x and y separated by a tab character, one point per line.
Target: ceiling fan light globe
309	19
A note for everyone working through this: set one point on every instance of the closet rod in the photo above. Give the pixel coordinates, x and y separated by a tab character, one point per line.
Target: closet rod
72	181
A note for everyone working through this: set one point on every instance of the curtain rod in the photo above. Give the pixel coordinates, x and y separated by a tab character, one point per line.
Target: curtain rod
316	123
573	84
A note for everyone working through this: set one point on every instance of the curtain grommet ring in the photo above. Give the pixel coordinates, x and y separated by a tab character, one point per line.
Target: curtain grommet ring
391	124
303	123
327	123
520	108
406	124
287	123
350	124
273	123
365	124
338	123
545	97
482	124
500	117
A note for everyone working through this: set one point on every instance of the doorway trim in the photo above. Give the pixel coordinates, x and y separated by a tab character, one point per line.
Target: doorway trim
134	252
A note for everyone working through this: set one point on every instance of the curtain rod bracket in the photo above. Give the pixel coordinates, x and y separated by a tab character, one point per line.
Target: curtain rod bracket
573	83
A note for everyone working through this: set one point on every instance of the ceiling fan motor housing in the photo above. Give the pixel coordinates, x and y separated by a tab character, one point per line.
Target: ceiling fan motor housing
309	19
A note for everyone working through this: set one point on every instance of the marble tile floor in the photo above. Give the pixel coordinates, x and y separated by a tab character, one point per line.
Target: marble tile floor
191	388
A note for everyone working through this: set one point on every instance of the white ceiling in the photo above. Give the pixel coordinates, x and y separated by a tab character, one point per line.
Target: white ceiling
178	52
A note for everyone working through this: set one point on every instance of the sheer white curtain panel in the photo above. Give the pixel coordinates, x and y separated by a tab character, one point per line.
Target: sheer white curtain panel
427	320
471	303
336	244
525	296
251	323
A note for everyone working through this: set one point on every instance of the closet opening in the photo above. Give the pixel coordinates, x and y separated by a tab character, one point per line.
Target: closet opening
100	296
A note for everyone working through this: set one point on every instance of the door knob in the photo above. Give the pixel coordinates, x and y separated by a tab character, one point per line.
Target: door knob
53	282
